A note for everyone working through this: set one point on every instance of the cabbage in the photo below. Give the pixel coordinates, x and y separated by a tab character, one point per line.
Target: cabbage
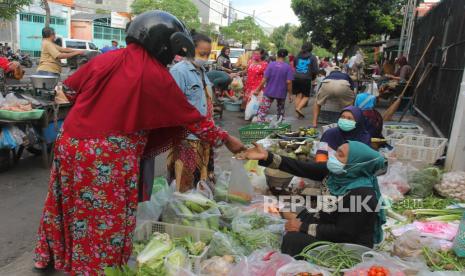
151	258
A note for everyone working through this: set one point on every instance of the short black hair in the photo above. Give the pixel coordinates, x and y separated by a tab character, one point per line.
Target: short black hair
307	47
47	32
282	53
198	37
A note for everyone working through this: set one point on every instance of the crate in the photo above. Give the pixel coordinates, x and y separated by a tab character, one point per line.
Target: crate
257	131
145	231
395	137
405	128
420	148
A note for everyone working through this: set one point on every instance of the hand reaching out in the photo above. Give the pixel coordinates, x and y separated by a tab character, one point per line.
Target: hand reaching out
255	153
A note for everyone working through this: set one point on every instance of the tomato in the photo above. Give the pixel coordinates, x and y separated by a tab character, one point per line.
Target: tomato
372	272
380	274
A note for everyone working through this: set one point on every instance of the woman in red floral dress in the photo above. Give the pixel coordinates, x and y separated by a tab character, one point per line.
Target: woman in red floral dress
127	106
255	73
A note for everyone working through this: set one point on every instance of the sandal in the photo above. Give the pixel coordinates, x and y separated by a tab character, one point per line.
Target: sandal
301	115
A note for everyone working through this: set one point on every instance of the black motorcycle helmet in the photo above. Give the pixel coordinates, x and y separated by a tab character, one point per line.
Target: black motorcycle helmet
162	35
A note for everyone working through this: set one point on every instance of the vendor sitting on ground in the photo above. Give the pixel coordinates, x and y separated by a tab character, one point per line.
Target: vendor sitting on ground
350	126
373	119
352	176
400	77
337	86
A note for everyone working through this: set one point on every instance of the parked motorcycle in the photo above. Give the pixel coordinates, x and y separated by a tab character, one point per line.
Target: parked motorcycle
23	59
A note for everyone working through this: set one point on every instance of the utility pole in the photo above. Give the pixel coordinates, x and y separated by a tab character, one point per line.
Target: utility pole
407	28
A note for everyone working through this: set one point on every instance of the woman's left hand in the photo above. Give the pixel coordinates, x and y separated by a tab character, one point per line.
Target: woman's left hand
293	225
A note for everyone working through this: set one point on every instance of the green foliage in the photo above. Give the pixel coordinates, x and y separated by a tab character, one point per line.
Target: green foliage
184	10
101	11
284	37
13	8
340	24
209	30
321	52
244	31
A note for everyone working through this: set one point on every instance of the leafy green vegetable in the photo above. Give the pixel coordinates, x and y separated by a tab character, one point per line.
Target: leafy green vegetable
194	248
151	258
119	271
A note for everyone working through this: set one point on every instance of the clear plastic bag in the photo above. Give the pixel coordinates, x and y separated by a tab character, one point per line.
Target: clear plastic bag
257	177
152	209
217	266
298	267
261	263
422	182
181	210
252	108
394	184
411	243
395	265
239	185
177	263
452	185
223	244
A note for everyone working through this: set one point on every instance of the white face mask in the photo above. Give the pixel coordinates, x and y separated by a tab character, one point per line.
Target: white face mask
200	62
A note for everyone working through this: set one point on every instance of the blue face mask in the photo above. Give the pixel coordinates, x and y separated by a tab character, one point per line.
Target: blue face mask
335	166
346	125
200	62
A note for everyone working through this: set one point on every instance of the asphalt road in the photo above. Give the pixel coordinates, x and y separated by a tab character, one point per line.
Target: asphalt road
23	190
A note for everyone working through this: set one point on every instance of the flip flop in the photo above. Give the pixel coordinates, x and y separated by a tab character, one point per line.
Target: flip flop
301	115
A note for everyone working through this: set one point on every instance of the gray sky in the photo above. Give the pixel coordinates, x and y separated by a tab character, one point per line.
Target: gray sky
274	12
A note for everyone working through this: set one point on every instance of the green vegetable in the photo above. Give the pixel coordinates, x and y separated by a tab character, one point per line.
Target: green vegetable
152	255
225	244
334	256
421	182
443	260
436	214
194	207
119	271
177	258
194	248
197	198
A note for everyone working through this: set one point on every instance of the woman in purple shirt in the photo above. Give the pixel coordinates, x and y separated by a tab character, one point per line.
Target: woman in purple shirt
278	83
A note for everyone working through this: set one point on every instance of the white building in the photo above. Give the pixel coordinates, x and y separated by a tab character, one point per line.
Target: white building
107	5
213	12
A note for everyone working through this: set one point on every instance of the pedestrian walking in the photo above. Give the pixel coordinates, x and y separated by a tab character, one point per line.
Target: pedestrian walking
255	73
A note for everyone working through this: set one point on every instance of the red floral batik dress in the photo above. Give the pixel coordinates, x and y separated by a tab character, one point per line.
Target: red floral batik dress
255	74
90	210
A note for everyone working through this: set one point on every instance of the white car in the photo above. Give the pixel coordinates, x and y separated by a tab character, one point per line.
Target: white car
235	54
76	44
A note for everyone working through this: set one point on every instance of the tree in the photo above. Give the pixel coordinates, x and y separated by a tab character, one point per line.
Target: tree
46	7
12	8
244	30
184	10
210	30
283	37
339	25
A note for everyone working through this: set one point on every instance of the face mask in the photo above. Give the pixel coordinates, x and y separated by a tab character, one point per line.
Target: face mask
335	166
256	57
200	62
346	125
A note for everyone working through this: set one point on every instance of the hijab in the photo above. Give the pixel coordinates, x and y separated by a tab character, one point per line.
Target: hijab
362	164
335	137
126	91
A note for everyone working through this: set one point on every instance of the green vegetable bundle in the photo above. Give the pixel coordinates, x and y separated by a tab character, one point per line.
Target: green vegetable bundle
192	209
422	182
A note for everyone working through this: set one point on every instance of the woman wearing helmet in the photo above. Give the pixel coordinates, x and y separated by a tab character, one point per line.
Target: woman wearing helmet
127	106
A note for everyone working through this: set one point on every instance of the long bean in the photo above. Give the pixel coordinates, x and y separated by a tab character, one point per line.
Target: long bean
334	256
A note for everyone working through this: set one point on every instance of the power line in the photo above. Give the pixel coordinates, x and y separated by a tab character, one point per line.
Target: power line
254	17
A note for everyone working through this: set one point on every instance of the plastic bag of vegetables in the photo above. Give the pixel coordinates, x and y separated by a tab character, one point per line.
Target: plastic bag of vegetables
177	261
192	209
224	244
261	263
422	182
452	185
302	268
217	266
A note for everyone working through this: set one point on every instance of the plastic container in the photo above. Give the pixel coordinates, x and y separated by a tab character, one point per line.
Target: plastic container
395	137
232	106
254	132
34	114
420	148
177	231
404	128
278	181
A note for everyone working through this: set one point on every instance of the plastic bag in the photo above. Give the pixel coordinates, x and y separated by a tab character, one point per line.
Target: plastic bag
305	186
298	267
152	209
395	265
237	84
261	263
240	185
181	210
6	139
257	177
452	185
177	263
459	241
422	182
223	244
217	266
394	184
252	107
411	244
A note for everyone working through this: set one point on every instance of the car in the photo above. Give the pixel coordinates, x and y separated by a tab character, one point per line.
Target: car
76	44
235	54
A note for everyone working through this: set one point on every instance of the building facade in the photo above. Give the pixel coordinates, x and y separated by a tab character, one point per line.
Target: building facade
213	12
105	5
